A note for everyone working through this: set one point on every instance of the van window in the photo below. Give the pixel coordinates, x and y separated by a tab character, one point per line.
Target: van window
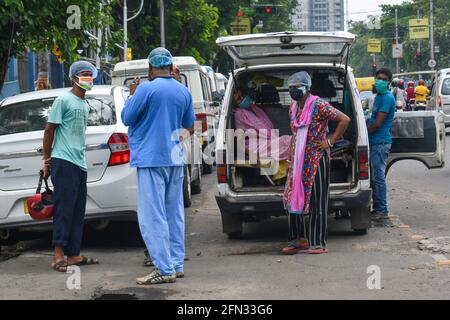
32	115
205	87
446	87
145	79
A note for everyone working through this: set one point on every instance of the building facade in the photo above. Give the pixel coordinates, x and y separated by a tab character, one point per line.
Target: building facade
319	15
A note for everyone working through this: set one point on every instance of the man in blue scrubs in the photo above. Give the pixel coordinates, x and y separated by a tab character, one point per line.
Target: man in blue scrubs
380	141
155	113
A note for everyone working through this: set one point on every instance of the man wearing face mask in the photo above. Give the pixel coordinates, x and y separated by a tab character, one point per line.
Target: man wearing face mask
64	159
155	114
380	140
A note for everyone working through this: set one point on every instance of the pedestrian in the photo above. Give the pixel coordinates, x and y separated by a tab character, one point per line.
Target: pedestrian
155	113
176	74
64	160
380	141
308	182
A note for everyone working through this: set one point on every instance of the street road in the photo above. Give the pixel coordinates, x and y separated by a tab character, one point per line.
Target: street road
252	268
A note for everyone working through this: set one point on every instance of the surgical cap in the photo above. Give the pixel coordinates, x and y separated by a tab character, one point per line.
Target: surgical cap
160	58
301	78
82	66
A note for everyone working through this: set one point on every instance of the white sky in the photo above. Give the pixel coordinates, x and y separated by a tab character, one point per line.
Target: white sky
360	9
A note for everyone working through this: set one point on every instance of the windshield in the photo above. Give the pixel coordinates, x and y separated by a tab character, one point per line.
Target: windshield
32	115
327	49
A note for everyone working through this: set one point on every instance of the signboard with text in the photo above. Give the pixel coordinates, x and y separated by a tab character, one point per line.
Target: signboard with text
374	45
240	26
419	29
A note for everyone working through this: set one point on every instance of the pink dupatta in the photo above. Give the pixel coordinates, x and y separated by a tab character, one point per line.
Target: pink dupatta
301	124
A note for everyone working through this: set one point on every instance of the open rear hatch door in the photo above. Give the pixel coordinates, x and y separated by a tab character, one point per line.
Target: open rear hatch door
418	135
288	47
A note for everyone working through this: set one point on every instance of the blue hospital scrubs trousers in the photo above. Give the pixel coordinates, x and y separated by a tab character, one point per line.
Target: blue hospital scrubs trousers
161	216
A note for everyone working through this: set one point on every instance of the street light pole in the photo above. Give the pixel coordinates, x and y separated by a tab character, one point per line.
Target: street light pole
396	39
125	30
163	29
431	33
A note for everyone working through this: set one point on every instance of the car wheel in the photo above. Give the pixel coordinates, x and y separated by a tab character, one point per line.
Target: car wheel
360	232
196	185
187	192
207	168
235	235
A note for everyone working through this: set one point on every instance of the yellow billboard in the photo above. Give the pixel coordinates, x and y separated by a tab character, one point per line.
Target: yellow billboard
374	45
240	26
419	29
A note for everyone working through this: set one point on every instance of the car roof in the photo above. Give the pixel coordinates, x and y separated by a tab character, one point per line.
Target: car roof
183	62
44	94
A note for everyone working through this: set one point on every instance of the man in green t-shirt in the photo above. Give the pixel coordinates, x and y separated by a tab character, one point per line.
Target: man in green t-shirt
65	162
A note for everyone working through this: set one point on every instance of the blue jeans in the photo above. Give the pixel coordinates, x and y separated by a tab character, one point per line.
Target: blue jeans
378	157
70	191
161	216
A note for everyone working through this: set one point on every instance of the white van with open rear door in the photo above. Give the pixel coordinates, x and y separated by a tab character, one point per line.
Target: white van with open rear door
245	191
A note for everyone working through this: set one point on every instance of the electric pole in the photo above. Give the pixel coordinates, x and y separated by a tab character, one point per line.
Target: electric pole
163	28
396	40
431	33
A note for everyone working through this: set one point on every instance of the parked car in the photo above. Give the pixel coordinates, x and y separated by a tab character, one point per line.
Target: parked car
244	193
111	181
196	79
440	94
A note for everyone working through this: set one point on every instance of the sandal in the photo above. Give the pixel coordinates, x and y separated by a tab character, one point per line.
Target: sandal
60	266
85	261
294	247
319	250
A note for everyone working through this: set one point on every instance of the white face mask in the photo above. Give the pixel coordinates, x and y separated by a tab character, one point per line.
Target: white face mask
85	83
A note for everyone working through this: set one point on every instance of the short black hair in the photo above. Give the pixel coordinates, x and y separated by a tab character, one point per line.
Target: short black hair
384	71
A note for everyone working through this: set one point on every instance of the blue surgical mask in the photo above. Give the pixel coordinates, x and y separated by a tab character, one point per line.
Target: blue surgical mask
245	103
297	93
381	86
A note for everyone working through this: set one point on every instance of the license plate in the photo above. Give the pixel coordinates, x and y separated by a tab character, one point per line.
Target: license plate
25	207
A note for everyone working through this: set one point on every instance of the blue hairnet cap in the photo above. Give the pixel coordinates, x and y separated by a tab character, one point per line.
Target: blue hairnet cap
160	58
82	66
301	78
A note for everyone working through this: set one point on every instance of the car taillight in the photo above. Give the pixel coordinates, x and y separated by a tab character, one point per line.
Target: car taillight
221	167
363	163
204	120
120	151
440	102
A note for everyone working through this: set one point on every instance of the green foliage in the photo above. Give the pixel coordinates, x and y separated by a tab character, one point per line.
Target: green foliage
361	61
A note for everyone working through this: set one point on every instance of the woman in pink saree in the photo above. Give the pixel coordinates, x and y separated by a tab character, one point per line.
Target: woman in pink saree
308	181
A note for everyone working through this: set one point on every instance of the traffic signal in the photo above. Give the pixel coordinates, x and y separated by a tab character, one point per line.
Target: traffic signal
266	9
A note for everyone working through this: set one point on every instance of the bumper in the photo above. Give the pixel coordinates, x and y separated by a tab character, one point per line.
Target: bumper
273	204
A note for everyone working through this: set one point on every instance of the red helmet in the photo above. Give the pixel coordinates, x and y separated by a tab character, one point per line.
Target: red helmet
41	205
401	83
421	82
411	84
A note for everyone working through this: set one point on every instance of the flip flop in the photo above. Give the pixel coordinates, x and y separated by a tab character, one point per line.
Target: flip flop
60	266
85	262
318	251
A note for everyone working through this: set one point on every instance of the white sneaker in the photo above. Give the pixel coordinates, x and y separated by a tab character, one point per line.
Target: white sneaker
155	277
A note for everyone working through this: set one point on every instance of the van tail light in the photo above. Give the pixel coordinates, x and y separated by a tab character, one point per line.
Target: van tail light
221	167
440	102
203	118
363	163
120	150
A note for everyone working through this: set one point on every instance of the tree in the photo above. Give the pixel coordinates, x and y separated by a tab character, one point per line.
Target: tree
39	25
360	59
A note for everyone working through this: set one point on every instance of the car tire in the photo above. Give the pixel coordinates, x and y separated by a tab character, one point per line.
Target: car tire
196	186
360	232
187	192
207	168
234	235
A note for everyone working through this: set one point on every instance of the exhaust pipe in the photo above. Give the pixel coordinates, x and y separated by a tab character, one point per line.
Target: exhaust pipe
5	234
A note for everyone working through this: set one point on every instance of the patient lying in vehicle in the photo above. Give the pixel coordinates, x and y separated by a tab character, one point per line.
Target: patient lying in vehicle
251	118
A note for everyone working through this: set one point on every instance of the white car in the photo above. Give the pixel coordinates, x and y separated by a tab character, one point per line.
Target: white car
440	94
111	181
244	191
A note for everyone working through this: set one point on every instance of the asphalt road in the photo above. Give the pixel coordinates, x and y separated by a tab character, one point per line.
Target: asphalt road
252	268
